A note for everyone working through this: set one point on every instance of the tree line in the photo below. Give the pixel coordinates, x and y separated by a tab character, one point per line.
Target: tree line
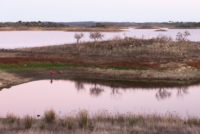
31	24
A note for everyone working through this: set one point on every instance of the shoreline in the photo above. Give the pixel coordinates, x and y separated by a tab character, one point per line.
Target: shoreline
65	29
16	77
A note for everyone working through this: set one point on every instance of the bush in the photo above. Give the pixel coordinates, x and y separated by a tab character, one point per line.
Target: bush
49	116
10	118
28	120
82	118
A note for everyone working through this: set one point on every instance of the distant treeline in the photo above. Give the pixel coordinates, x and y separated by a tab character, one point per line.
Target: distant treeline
66	24
31	24
99	24
185	25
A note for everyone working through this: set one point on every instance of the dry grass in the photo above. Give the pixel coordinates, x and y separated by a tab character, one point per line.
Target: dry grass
28	120
49	116
126	53
104	122
162	49
11	118
194	63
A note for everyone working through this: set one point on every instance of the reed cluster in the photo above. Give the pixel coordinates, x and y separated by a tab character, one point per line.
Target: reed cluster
102	121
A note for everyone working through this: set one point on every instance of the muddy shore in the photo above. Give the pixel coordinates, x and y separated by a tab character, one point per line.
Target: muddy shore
184	76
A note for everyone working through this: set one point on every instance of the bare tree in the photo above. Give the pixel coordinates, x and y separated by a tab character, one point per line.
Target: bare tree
96	36
78	36
182	36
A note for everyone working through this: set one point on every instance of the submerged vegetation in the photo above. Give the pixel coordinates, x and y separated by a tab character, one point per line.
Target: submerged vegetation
82	121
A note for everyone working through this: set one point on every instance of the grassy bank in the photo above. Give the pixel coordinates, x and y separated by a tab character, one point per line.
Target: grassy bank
35	65
101	122
162	49
51	65
158	53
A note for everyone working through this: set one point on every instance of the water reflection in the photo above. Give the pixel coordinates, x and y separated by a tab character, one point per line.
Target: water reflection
114	96
96	90
51	81
118	88
79	85
162	94
182	91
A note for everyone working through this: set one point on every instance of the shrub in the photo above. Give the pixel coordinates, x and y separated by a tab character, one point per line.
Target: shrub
78	36
193	121
28	120
182	36
49	116
10	118
82	118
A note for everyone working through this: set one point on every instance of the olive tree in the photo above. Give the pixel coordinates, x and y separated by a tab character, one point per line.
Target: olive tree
182	36
78	36
96	36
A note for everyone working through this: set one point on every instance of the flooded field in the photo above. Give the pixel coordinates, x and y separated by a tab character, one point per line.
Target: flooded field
19	39
64	96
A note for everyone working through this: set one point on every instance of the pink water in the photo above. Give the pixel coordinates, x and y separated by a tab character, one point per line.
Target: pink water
65	95
19	39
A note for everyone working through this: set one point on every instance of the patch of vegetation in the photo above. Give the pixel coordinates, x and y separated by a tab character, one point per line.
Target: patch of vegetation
28	120
48	65
10	118
32	24
49	116
109	123
161	48
82	118
184	24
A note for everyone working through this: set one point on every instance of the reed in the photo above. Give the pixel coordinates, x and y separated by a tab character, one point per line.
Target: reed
28	120
102	122
49	116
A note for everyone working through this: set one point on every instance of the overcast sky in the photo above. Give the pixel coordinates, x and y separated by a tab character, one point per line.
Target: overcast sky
100	10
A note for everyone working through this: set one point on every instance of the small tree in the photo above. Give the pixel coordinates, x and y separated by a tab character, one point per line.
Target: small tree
78	36
182	36
96	36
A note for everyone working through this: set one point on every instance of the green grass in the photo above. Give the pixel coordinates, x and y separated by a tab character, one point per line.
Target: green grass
35	65
46	65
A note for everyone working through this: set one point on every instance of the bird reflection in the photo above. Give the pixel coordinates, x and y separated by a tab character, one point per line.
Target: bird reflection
96	91
79	86
162	94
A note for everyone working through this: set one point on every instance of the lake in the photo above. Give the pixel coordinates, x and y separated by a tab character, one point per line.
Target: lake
19	39
115	96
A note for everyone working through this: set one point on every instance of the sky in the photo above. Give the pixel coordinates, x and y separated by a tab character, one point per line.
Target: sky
100	10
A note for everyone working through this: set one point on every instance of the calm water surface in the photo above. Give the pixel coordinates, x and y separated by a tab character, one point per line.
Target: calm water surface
67	95
18	39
